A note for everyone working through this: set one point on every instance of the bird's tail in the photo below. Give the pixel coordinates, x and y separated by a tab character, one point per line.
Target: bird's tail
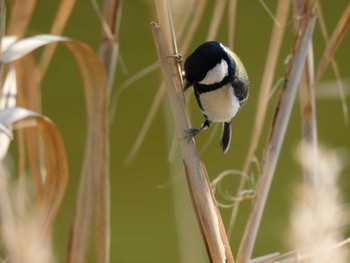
226	136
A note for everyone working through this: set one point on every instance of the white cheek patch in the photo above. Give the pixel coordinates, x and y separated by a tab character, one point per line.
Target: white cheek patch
216	74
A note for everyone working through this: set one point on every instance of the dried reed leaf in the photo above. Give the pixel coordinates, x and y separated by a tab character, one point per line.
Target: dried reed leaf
282	11
25	46
7	41
61	19
334	42
28	97
28	81
9	89
277	133
7	100
208	216
54	184
5	138
93	198
94	193
20	17
5	131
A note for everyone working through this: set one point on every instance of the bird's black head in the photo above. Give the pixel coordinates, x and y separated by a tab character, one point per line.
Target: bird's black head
210	63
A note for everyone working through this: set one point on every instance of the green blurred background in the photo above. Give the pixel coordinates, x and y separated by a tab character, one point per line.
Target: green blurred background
143	217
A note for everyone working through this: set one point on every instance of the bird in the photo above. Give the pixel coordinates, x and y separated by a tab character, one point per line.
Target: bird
221	87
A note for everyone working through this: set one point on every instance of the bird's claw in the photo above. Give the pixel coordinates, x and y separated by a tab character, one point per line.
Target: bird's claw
177	56
191	133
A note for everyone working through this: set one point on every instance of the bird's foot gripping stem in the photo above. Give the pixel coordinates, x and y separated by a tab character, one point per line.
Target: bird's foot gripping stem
192	132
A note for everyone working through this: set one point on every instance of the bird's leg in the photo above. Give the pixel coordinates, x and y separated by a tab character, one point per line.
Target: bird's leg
192	132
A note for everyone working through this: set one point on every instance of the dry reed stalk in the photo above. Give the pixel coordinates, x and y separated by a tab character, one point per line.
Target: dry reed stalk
137	76
307	99
189	238
190	247
109	46
208	216
231	22
92	201
334	42
187	37
21	14
217	16
199	11
158	98
282	11
108	54
337	31
183	12
63	13
277	133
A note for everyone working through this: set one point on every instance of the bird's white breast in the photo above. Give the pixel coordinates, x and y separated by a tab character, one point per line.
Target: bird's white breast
220	105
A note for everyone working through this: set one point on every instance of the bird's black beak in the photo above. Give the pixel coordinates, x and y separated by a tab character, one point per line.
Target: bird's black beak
187	85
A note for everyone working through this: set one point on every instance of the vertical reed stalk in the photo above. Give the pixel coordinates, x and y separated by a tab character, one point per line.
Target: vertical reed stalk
109	46
263	99
307	102
277	133
189	243
204	204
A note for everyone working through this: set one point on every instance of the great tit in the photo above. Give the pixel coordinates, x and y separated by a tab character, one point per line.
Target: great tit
220	84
